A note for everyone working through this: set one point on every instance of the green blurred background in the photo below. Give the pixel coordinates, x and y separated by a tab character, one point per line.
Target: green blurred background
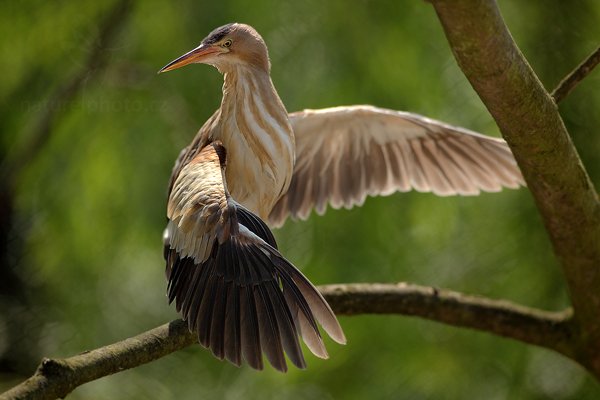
82	213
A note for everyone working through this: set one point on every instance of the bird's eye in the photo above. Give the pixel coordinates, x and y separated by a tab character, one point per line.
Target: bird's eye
227	43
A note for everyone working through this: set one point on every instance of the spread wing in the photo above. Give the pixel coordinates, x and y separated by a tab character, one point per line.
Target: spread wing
227	279
344	154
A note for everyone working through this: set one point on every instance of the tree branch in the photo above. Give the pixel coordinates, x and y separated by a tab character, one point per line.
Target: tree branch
58	377
529	121
541	328
577	75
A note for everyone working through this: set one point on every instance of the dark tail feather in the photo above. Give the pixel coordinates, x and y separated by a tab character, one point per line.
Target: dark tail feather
289	334
246	299
255	224
205	311
317	304
232	330
217	327
268	329
251	347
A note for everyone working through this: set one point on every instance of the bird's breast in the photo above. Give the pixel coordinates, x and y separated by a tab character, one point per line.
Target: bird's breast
254	127
260	164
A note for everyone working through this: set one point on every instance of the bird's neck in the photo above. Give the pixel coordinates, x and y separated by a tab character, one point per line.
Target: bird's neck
254	125
249	89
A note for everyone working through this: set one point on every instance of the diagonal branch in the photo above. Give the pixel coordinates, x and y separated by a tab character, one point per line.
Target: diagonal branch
577	75
529	121
58	377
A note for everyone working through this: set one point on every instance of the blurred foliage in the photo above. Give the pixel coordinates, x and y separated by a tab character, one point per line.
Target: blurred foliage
89	208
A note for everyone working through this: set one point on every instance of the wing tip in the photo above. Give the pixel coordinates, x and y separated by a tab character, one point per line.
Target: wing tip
263	316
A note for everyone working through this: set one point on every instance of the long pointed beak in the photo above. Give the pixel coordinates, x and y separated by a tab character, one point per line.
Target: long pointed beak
195	56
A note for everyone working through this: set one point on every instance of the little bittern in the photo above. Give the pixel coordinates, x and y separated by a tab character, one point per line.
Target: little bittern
252	161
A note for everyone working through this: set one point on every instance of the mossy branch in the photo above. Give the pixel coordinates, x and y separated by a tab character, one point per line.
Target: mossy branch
529	121
576	76
56	378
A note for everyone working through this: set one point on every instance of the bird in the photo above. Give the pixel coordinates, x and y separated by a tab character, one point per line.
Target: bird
228	279
253	165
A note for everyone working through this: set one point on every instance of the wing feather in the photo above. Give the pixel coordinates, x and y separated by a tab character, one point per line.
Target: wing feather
231	337
228	280
344	154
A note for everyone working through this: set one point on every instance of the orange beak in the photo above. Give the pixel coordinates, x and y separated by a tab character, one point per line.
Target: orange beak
198	55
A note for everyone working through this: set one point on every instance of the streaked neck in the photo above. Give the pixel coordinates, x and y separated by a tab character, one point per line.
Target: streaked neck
251	107
252	88
254	127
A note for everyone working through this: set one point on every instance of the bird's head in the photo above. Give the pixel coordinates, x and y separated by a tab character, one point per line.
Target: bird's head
225	48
